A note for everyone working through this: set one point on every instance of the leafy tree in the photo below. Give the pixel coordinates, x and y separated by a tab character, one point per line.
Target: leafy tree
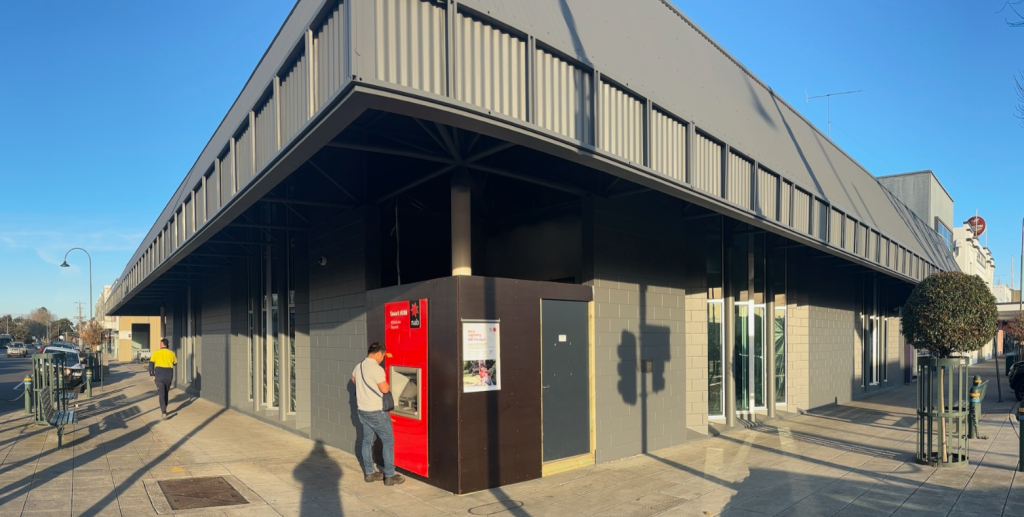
1015	327
950	314
92	334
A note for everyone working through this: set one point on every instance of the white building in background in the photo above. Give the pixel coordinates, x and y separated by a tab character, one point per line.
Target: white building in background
971	256
1003	293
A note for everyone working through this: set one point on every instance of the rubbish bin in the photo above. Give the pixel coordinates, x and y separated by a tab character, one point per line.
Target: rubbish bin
1011	357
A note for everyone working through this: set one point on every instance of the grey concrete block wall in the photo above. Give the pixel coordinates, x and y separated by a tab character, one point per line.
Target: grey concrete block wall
634	250
337	323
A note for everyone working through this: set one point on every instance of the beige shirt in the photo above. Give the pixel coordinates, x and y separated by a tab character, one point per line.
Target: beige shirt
368	398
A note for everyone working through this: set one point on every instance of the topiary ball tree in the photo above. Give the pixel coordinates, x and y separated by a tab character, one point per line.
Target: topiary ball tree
950	314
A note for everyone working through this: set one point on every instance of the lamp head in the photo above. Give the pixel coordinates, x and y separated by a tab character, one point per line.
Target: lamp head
65	264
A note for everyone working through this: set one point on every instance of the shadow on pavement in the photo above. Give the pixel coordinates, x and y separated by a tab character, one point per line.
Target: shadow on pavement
321	483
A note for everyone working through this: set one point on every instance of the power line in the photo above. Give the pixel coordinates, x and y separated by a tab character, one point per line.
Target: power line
828	98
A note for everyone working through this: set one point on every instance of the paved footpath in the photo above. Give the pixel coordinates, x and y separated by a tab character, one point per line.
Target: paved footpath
855	459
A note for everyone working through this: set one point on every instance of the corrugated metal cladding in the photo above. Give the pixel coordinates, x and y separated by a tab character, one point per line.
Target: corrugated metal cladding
801	211
707	165
411	44
767	188
490	68
835	228
330	55
212	192
200	196
850	237
243	157
785	206
266	131
564	97
668	146
294	97
873	246
737	185
189	218
622	123
902	265
227	177
821	219
862	240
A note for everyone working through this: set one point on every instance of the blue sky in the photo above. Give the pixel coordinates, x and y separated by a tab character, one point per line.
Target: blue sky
106	105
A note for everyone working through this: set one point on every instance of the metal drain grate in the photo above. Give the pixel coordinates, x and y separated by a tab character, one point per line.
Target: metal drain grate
190	493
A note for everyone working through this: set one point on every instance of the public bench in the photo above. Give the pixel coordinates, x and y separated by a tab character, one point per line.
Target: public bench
55	411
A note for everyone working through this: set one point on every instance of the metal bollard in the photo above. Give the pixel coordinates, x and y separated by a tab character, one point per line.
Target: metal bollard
1020	422
28	394
975	410
88	383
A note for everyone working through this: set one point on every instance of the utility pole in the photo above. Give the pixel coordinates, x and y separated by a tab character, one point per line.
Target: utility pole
79	317
828	98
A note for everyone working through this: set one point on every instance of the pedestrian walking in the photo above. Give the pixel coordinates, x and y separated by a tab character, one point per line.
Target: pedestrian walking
371	385
161	370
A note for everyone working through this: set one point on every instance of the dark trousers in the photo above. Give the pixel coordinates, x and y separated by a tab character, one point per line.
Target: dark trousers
163	386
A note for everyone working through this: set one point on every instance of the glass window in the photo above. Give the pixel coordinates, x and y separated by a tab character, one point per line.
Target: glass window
780	355
716	405
945	233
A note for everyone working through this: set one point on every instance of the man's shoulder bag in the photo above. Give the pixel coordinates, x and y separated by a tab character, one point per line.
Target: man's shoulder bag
387	400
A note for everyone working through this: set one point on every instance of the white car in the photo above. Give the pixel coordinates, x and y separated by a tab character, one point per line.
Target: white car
17	349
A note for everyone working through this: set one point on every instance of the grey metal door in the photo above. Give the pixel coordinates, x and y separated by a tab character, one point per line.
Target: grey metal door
565	379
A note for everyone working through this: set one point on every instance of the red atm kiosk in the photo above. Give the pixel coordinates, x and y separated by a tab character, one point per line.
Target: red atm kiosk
405	336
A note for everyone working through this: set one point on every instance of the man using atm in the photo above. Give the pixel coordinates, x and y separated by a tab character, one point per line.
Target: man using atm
371	385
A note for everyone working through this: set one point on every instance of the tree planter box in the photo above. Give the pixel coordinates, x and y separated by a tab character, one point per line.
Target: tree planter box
942	408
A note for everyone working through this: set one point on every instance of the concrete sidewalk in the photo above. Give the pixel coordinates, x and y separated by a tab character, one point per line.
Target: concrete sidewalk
856	459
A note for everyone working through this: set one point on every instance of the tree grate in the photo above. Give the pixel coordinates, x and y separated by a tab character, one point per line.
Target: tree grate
190	493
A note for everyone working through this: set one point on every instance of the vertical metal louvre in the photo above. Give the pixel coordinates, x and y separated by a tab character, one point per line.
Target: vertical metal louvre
785	203
872	246
189	221
212	192
622	123
294	97
801	211
490	67
821	219
850	231
835	228
668	146
243	156
330	53
707	165
227	177
266	131
767	187
564	98
199	194
411	46
737	185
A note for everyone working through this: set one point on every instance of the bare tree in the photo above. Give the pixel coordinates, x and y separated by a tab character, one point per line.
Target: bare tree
92	334
1018	88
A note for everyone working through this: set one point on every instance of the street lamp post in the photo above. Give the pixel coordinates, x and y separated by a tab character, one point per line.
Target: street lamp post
65	264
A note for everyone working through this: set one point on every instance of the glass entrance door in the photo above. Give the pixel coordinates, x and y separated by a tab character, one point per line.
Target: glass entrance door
749	356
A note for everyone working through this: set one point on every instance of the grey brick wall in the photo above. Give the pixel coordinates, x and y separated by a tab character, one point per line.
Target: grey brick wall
634	254
337	322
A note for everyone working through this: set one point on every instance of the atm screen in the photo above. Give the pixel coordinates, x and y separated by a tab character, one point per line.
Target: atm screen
405	383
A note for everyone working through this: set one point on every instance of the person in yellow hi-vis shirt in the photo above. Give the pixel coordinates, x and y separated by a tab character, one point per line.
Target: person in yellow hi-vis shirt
161	370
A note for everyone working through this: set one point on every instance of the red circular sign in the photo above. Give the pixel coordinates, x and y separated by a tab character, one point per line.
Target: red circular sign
977	225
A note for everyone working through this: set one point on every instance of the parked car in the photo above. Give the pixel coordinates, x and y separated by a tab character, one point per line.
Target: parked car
17	349
57	346
73	368
1016	377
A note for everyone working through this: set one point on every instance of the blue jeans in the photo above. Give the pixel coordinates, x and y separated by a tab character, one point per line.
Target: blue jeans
377	424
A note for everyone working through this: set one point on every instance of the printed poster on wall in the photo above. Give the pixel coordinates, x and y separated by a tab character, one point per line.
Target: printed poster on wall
481	351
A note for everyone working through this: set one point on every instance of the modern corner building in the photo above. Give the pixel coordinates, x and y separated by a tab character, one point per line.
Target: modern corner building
582	228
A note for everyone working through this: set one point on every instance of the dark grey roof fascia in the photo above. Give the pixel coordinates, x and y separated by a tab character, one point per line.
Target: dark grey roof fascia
652	48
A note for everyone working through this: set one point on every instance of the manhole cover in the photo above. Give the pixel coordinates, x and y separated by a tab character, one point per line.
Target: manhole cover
186	494
497	507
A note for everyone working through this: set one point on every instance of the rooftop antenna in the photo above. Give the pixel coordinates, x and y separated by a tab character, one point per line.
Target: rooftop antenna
828	98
